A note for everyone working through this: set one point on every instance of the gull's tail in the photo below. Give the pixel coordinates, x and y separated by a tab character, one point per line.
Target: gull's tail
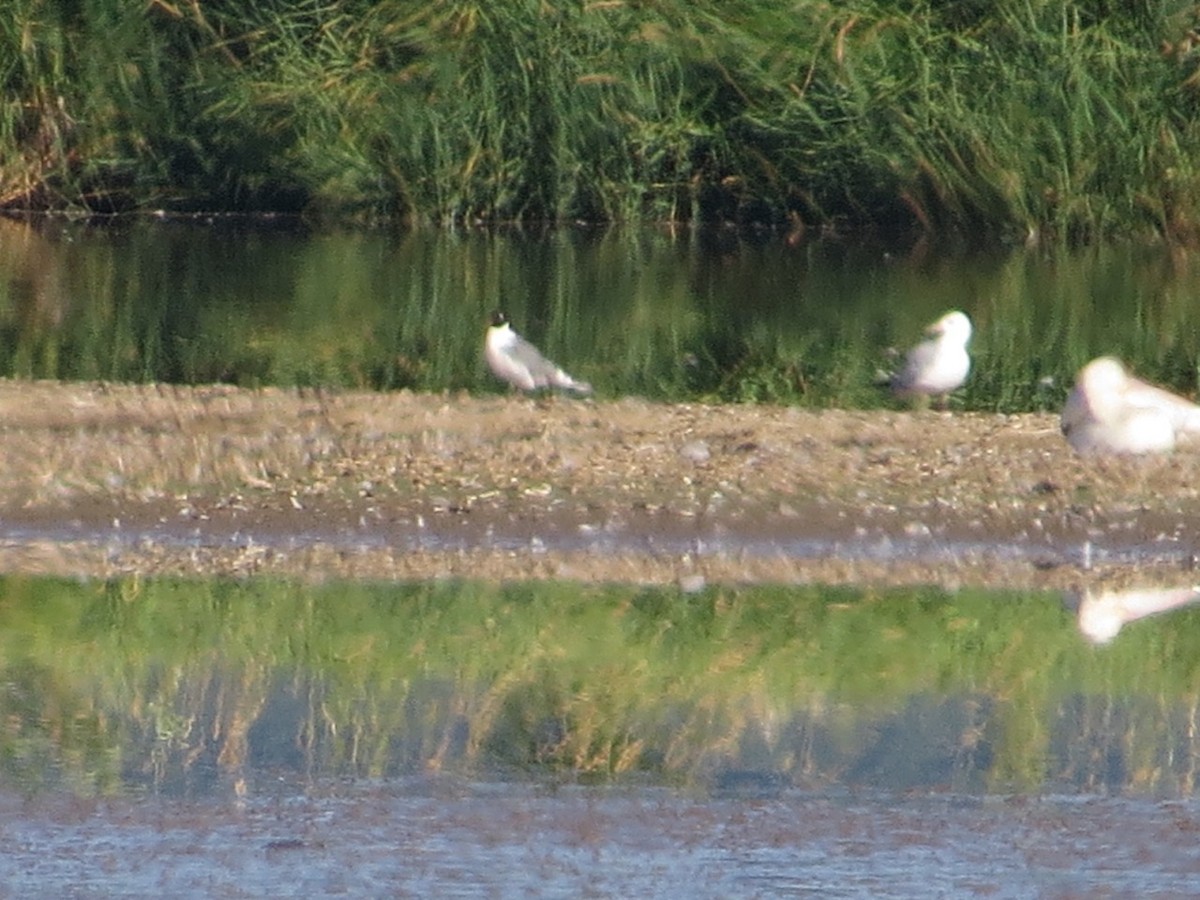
561	379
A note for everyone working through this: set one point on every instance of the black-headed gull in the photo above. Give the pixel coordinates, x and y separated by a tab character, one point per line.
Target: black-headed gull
1103	613
940	363
513	359
1110	411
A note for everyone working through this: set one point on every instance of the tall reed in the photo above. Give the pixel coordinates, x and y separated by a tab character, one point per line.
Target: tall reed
1014	119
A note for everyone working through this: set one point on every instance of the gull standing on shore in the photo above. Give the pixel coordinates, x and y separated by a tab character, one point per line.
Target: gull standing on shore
940	363
1110	411
513	359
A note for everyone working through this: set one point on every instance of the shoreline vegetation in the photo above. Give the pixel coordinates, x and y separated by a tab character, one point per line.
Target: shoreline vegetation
1031	121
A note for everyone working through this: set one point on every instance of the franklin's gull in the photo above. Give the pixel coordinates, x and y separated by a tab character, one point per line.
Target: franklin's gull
513	359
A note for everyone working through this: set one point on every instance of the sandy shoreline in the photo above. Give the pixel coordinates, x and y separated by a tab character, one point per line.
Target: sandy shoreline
104	479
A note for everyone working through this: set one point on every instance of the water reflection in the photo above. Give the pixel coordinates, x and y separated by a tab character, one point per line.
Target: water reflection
666	315
191	688
1103	612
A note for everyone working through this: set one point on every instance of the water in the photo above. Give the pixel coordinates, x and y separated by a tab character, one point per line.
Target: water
179	688
668	315
465	739
485	840
458	739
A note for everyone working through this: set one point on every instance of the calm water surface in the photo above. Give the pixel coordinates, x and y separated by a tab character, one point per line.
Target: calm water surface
485	840
254	738
465	739
668	315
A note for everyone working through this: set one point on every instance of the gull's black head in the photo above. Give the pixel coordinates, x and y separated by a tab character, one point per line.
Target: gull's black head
498	318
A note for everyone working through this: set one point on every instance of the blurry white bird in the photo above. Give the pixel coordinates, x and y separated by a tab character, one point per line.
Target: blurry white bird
940	363
1110	411
513	359
1102	614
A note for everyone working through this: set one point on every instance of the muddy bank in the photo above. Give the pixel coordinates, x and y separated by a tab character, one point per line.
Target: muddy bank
104	479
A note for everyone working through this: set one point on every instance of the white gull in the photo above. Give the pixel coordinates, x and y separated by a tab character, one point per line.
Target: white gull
513	359
1110	411
940	363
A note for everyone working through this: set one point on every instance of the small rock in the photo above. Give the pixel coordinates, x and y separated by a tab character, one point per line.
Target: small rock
696	452
917	529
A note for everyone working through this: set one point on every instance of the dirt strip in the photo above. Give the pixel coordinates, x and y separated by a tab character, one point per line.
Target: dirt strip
99	479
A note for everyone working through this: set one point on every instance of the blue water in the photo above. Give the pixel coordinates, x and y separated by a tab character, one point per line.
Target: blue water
446	839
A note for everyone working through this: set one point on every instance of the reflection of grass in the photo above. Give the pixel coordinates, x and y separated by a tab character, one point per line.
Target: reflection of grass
150	680
708	316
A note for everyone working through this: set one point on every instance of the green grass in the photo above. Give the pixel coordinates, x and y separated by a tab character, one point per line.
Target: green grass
1050	121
